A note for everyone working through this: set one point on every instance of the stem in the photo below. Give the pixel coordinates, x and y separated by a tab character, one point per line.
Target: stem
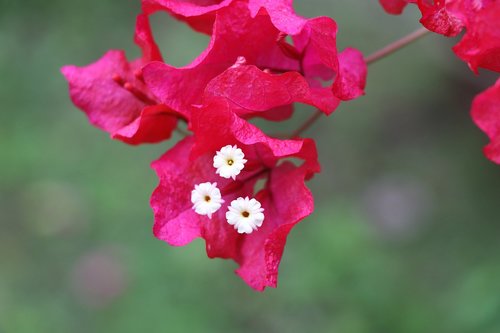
382	53
307	124
397	45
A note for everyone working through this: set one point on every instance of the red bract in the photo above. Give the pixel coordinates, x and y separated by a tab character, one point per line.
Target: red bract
199	14
284	197
113	95
243	37
486	114
480	46
253	91
395	7
442	16
438	16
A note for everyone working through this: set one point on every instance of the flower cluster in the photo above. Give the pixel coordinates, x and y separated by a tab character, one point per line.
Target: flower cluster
244	214
228	182
479	48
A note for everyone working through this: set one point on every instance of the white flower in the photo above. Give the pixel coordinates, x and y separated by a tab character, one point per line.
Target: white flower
206	199
245	215
229	161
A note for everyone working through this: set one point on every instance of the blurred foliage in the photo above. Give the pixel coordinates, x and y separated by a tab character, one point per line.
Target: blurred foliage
405	237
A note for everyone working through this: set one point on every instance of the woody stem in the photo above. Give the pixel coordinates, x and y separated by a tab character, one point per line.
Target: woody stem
397	45
377	55
306	124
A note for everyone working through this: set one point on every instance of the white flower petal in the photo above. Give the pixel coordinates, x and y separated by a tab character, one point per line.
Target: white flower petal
206	199
245	215
229	161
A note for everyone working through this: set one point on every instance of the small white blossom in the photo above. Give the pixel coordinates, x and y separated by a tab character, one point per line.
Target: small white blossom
245	215
229	161
206	199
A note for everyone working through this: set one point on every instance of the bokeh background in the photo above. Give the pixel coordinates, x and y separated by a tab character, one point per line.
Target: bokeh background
405	236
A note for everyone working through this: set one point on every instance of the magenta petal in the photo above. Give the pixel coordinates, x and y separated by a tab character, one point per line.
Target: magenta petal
261	251
438	18
486	115
175	221
116	100
156	123
107	104
351	79
232	129
253	90
313	56
179	89
480	46
234	36
395	7
317	41
182	167
282	14
199	14
144	39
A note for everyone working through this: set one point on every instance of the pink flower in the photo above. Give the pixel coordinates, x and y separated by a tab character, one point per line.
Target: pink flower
480	46
247	34
254	92
486	115
395	7
284	199
199	14
112	93
442	16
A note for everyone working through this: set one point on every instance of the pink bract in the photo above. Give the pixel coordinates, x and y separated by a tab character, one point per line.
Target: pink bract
395	7
244	37
190	162
199	14
253	91
486	114
441	16
114	97
480	46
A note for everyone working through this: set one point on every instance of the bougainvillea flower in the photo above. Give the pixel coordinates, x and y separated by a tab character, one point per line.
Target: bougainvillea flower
253	91
445	17
480	46
199	14
284	199
442	16
395	7
486	114
241	38
112	93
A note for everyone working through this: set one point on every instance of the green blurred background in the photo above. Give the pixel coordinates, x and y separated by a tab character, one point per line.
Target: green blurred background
405	236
